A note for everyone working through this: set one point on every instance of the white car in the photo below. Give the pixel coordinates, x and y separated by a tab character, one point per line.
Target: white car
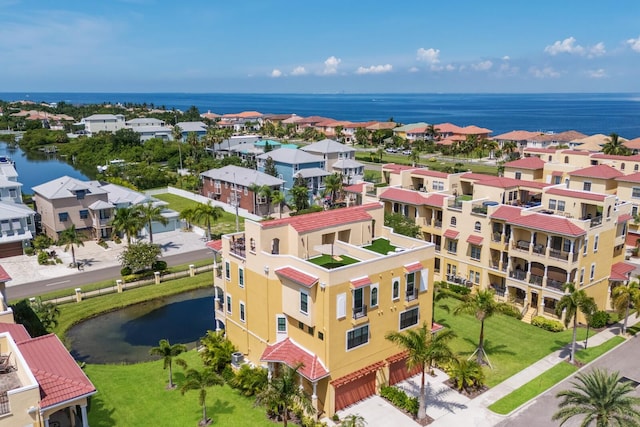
406	152
391	150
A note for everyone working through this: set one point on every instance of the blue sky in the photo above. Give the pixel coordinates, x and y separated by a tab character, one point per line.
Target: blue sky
303	46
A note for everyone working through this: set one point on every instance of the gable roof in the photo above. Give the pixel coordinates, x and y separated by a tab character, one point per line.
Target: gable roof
327	146
242	176
297	276
538	221
427	172
634	177
291	156
319	220
516	135
599	171
586	195
531	163
63	187
292	354
403	196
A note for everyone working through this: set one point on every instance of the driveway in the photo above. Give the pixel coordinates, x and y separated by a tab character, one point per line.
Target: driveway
378	412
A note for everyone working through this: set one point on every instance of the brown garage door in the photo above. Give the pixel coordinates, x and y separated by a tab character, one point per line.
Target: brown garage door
356	386
398	371
10	249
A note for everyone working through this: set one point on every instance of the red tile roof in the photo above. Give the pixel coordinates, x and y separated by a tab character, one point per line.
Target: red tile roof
355	188
526	163
297	276
394	168
319	220
410	197
18	332
599	171
624	218
361	282
620	271
451	234
550	223
633	144
214	245
506	213
634	177
4	276
503	182
447	128
635	158
357	374
575	152
59	376
475	240
516	135
474	130
292	354
577	194
435	327
557	173
427	172
540	150
435	200
413	267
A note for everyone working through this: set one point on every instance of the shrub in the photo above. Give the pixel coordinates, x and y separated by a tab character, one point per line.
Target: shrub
58	260
451	294
249	380
400	399
43	258
227	374
116	239
159	266
599	319
125	271
547	324
514	312
335	418
612	318
29	251
460	290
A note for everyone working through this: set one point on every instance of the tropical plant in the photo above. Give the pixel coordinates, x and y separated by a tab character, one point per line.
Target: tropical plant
300	194
70	238
270	167
151	213
624	298
401	224
465	374
278	198
200	381
414	157
266	191
188	215
424	349
432	132
47	312
353	420
333	186
208	213
139	256
283	393
250	380
216	351
128	221
572	302
168	352
482	305
615	146
601	398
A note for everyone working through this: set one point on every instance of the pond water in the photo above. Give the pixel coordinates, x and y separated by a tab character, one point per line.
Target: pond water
127	335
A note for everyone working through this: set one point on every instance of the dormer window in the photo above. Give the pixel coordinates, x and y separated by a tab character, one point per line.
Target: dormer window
80	194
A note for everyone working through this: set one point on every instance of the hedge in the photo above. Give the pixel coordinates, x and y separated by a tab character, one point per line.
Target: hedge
547	324
400	399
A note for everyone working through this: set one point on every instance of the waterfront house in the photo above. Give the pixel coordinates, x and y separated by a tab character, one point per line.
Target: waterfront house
199	128
102	123
17	221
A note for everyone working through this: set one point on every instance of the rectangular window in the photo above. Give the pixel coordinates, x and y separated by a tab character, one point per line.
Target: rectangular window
357	337
341	306
320	336
229	304
311	330
595	243
582	276
452	246
593	272
242	312
556	179
304	302
635	192
561	205
84	214
586	186
475	252
552	204
80	194
586	246
241	277
518	175
411	287
374	296
63	216
12	192
246	191
409	318
227	270
395	289
281	324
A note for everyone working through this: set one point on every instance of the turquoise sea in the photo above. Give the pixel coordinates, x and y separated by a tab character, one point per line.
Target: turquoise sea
588	113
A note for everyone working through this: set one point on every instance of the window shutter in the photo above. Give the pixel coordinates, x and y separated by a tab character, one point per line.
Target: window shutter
424	280
341	306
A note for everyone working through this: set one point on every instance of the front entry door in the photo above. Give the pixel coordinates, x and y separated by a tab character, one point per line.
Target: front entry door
534	300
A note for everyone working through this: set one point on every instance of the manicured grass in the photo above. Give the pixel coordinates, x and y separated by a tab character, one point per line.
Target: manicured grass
511	344
226	224
329	262
436	165
548	379
135	395
382	246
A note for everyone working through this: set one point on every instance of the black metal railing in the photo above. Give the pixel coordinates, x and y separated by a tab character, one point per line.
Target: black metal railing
360	311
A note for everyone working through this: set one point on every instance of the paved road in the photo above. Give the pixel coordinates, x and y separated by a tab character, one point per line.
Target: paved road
623	358
80	278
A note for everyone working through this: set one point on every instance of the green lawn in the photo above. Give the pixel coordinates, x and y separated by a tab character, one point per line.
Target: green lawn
226	224
550	378
135	395
329	262
382	246
436	165
511	344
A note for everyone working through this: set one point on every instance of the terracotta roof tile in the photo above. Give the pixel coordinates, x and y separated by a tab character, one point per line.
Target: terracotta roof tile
540	150
526	163
319	220
517	135
292	354
4	276
506	213
214	245
550	223
635	158
624	218
410	197
394	168
633	144
620	271
18	332
475	240
297	276
427	172
451	234
634	177
361	282
354	188
586	195
599	171
413	267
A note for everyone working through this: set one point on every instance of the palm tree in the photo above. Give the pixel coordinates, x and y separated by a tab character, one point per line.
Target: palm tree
600	397
465	374
353	420
168	352
482	305
615	146
333	185
266	192
509	147
572	302
414	157
176	133
70	237
424	349
284	392
127	220
278	198
188	215
380	153
208	213
201	381
432	132
623	298
150	213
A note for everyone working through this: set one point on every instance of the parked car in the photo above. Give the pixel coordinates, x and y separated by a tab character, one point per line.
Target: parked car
391	150
406	152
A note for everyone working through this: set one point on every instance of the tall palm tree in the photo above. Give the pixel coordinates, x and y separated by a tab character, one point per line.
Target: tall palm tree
623	298
600	397
509	147
201	381
149	214
208	213
278	198
127	220
572	302
188	215
284	392
414	157
266	191
70	237
615	146
482	305
333	185
432	132
168	352
424	349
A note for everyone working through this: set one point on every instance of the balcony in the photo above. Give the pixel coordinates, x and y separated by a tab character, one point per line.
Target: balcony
455	205
536	280
459	280
554	253
437	223
479	209
360	311
593	221
555	284
518	275
411	294
102	222
237	247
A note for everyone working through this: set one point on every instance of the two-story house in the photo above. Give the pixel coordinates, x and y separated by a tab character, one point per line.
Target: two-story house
17	221
338	158
103	123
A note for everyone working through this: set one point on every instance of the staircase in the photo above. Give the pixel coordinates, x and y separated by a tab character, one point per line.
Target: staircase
531	312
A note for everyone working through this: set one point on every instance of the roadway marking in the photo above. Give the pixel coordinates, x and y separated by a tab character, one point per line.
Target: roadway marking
57	283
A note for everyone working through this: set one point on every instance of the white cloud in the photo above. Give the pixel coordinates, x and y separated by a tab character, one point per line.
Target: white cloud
482	66
450	67
430	56
597	74
508	69
567	45
331	65
374	69
634	44
597	50
543	73
414	69
506	58
276	73
299	71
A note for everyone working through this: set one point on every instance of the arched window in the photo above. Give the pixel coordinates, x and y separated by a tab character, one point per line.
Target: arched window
635	168
275	246
477	226
609	212
454	221
622	166
566	159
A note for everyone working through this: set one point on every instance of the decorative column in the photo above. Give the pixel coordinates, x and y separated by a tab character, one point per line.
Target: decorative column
541	304
531	242
544	278
504	231
192	270
46	422
433	217
85	419
568	276
314	400
528	271
548	248
571	251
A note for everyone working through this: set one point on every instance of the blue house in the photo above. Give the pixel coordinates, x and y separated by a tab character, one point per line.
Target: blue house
199	128
290	163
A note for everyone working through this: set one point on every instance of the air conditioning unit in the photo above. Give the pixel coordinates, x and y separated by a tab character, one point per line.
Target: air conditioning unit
237	358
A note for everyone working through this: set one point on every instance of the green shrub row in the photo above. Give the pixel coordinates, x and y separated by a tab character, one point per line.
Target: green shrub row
547	324
399	398
599	319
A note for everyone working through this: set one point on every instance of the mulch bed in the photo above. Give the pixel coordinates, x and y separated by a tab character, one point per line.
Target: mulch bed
471	393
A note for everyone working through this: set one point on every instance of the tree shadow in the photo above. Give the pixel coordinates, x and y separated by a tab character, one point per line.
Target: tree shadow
98	414
164	247
489	347
87	262
436	396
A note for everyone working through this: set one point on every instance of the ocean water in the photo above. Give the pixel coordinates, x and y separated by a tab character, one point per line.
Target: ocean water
588	113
